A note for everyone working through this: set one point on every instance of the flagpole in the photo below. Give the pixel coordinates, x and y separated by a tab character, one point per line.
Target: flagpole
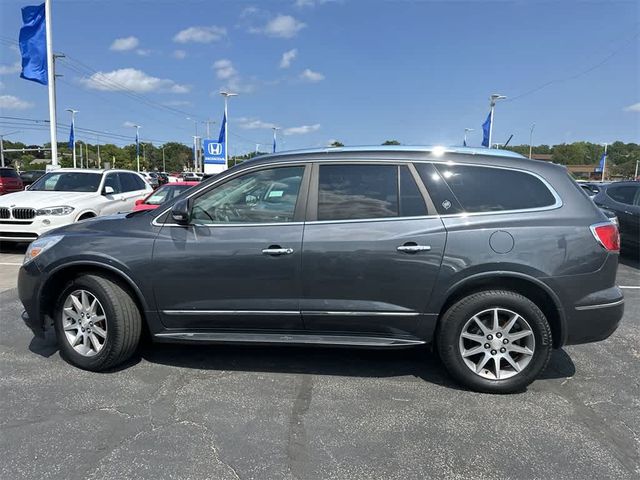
226	96
51	84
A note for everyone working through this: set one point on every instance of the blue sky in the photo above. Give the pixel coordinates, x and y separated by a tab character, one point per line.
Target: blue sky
357	71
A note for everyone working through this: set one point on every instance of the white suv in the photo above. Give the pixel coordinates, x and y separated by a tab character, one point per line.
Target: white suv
65	196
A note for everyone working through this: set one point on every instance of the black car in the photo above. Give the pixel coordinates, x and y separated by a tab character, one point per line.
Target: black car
492	258
30	176
623	198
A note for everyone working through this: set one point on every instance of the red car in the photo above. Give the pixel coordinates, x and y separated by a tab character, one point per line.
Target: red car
162	195
10	181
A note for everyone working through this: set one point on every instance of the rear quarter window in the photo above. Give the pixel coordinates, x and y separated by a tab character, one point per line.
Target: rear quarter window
8	173
623	193
489	189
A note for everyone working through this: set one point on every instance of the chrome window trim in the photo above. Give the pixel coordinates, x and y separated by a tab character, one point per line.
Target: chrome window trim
359	313
558	201
231	312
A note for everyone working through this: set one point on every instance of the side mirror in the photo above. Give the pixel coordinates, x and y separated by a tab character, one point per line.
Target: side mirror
26	187
140	201
180	212
108	190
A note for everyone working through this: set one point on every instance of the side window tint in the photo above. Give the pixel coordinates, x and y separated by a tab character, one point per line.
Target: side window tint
349	192
265	196
411	200
623	193
113	181
444	200
127	182
486	189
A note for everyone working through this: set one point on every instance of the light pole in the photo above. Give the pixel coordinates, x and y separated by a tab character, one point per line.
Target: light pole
2	146
137	127
164	166
226	96
533	125
466	130
635	175
208	122
98	145
493	98
275	132
604	162
73	127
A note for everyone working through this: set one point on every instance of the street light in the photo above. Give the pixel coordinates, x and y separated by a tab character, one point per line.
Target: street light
466	130
226	96
533	125
73	126
195	146
164	166
493	99
604	162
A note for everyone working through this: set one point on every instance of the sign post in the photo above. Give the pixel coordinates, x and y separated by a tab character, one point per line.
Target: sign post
214	156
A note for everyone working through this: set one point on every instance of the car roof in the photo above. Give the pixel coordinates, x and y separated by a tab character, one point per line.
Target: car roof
434	153
92	170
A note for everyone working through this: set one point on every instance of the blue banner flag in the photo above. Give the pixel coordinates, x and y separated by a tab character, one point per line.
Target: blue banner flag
486	126
72	138
602	161
223	127
274	143
33	44
464	142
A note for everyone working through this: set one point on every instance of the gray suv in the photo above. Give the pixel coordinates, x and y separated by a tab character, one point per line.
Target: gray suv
492	258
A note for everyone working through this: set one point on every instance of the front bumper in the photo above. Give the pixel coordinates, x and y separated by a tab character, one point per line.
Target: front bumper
29	230
29	283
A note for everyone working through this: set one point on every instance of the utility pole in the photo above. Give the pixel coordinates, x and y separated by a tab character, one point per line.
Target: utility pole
635	176
2	146
164	165
533	125
98	145
604	163
81	158
86	149
137	127
209	122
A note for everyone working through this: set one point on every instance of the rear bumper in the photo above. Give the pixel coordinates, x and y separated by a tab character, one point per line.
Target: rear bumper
594	321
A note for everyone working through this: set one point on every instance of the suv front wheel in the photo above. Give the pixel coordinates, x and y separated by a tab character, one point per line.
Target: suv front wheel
97	323
495	341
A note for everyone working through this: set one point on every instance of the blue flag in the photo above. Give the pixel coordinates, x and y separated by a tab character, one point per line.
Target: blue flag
72	138
33	44
274	143
464	142
486	126
602	162
223	127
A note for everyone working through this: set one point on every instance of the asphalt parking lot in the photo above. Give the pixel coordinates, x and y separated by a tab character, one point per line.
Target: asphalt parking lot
282	413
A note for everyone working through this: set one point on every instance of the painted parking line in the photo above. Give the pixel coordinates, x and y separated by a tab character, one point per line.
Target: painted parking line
623	286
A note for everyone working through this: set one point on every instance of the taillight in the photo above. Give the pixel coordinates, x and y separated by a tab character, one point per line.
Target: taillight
607	235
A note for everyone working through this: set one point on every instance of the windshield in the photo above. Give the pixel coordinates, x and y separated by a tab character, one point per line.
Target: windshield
67	182
166	193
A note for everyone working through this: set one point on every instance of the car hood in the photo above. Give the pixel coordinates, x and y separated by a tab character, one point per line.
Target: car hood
41	199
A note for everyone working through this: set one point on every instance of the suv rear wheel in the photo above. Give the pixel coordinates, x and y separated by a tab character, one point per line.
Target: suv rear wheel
97	323
495	341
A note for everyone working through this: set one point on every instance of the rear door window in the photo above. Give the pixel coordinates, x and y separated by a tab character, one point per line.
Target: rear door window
623	193
130	182
489	189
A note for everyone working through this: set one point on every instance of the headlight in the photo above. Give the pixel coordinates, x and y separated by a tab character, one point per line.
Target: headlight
40	245
64	210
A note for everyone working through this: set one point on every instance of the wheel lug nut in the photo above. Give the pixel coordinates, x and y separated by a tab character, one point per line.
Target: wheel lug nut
486	345
493	352
505	341
502	350
498	335
489	337
82	329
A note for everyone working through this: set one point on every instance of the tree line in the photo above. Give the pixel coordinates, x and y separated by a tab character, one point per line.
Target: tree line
621	157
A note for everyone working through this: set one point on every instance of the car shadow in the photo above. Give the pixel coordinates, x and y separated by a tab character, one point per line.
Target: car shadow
418	362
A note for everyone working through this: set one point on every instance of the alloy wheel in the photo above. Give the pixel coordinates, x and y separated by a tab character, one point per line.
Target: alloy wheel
497	343
84	323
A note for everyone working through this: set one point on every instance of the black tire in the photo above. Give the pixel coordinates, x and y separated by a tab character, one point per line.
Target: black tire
451	326
85	216
124	323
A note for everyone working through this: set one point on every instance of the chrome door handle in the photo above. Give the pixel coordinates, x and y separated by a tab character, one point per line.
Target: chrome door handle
277	251
413	248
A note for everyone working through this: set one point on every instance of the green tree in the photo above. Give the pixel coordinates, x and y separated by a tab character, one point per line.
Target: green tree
336	143
391	142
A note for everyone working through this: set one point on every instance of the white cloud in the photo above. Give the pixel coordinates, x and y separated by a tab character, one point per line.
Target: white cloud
13	103
282	26
128	124
309	3
124	44
200	34
179	54
15	67
302	130
311	76
143	52
288	57
633	108
254	124
131	79
224	69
